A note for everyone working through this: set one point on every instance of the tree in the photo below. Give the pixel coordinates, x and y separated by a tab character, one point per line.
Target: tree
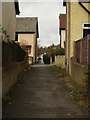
59	51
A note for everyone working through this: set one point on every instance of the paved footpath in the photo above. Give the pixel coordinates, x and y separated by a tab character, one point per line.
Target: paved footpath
41	95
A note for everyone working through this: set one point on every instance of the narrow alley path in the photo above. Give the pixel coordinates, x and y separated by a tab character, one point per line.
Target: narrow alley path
41	95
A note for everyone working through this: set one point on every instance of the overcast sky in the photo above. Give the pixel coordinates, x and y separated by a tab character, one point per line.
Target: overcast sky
48	18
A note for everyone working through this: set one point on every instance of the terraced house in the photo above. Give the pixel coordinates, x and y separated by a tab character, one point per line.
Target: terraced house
27	34
77	37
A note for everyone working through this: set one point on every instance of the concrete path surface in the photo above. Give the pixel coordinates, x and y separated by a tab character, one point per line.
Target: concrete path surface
41	95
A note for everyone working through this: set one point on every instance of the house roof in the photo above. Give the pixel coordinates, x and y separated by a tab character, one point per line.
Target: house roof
62	22
27	25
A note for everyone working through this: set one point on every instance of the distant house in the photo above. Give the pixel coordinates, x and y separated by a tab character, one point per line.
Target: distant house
62	29
27	34
78	26
9	10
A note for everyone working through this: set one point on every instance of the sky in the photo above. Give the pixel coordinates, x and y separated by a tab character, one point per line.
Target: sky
47	12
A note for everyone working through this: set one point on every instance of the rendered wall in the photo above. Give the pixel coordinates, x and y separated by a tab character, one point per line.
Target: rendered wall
76	23
9	19
78	75
60	61
76	16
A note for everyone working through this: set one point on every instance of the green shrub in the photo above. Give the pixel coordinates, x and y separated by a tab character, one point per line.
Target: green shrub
59	51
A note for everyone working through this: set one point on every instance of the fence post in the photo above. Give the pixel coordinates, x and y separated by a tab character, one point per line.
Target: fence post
88	64
81	51
74	57
88	50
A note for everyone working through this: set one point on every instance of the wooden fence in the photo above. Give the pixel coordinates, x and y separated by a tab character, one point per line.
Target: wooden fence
82	50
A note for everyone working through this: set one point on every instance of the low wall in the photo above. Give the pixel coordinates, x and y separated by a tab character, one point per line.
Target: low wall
78	74
10	76
60	61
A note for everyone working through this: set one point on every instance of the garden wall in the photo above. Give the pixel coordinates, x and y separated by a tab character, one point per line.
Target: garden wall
14	61
78	74
60	61
11	75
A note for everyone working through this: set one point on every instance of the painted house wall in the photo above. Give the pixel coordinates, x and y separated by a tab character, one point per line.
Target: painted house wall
63	37
9	19
76	16
28	39
76	21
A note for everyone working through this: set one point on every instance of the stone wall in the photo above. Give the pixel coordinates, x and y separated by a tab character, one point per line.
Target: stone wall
10	76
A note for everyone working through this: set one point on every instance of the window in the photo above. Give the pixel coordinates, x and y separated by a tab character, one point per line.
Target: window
86	25
86	29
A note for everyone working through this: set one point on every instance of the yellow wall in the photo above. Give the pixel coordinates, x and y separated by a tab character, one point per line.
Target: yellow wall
60	61
28	39
78	75
9	19
76	16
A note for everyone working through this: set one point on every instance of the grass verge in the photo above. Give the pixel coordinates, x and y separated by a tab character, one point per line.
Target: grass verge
80	96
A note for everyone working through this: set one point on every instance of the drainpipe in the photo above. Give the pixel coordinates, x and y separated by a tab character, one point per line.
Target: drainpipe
68	36
36	49
69	5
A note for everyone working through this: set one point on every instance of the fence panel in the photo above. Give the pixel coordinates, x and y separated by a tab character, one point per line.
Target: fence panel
77	51
82	51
